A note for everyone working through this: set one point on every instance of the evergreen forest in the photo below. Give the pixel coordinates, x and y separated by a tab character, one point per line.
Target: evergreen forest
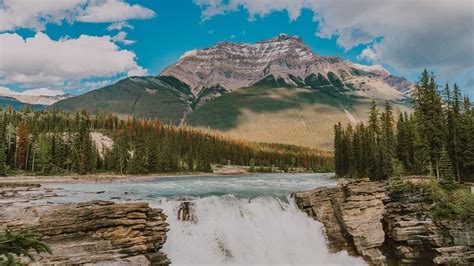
436	139
57	143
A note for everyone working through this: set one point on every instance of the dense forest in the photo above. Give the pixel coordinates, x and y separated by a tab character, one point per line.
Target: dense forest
56	142
437	139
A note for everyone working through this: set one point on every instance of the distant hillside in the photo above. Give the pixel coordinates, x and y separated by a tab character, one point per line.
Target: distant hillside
147	97
17	105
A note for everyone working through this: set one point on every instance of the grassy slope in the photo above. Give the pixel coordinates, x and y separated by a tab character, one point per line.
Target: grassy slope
142	97
301	116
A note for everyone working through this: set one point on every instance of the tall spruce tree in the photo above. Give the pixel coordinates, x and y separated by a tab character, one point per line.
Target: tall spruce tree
446	172
3	166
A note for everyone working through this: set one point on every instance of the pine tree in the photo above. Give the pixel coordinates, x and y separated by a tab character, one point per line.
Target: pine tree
20	243
22	145
3	166
446	172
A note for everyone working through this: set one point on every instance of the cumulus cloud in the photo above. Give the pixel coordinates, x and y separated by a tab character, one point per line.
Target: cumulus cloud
119	26
41	60
254	7
113	11
121	37
31	92
15	14
408	35
92	85
7	91
36	14
42	92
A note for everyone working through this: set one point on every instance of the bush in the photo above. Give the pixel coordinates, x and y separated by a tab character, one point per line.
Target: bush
398	184
451	201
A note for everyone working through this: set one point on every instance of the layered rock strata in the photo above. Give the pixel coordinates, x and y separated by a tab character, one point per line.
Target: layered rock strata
96	232
384	227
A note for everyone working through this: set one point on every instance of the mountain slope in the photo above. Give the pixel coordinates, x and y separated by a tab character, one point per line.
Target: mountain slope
301	116
155	97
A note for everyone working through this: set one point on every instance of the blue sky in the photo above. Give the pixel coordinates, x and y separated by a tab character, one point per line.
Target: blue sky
41	44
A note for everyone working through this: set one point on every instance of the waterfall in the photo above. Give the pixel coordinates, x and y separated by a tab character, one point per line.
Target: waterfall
262	230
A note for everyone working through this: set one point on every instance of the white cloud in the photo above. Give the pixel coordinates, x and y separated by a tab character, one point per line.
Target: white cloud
41	60
408	35
35	14
121	38
32	92
92	85
255	7
114	11
7	91
42	92
119	26
368	54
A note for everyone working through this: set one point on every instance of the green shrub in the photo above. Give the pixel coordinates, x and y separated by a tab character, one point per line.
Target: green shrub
451	201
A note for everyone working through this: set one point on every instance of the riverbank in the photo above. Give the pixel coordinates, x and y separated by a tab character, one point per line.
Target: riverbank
113	177
218	170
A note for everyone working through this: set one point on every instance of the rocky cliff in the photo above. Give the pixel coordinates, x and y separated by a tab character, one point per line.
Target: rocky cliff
384	227
97	232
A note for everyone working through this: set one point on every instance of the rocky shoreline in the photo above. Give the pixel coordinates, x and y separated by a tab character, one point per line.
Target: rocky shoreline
384	227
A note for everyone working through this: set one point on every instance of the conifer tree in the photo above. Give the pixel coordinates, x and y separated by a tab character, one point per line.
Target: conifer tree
446	172
3	166
22	145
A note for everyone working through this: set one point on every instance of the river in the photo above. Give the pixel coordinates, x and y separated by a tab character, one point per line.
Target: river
239	219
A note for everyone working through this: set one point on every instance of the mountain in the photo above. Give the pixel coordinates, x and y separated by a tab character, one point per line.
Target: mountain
6	101
38	97
277	90
285	59
150	97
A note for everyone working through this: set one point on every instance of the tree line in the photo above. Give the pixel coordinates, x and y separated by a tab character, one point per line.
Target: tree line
57	142
436	139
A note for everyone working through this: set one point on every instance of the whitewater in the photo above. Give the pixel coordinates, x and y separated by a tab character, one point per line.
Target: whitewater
238	220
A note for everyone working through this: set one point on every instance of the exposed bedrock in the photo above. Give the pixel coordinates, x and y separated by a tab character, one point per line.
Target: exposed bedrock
365	219
96	232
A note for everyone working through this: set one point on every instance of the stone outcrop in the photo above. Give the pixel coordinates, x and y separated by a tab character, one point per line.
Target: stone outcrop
351	214
96	232
416	237
384	227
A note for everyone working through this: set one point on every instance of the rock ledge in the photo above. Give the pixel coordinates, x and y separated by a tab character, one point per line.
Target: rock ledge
96	232
365	219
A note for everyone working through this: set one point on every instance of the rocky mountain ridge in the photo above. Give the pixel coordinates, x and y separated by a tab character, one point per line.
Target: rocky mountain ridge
286	59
